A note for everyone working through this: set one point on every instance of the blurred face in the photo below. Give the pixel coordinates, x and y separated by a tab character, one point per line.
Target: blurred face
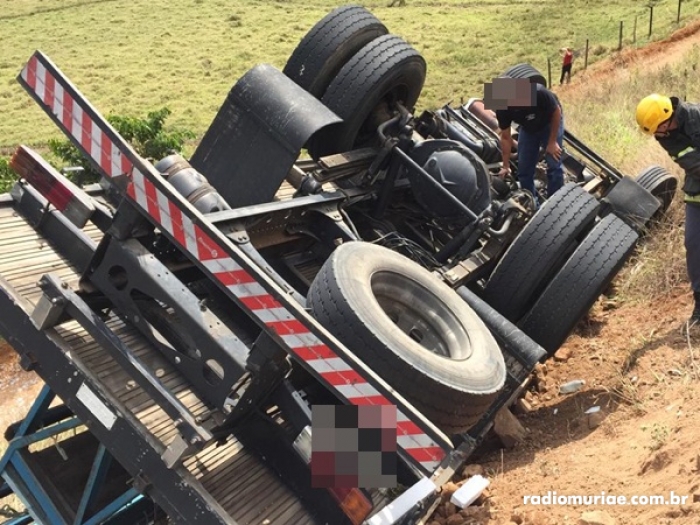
504	93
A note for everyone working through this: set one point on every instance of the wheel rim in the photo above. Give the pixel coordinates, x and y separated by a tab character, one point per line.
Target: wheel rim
421	315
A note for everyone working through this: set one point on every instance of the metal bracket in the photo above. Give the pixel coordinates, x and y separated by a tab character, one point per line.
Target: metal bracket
55	290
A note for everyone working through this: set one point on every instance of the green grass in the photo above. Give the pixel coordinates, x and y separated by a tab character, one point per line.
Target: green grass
130	57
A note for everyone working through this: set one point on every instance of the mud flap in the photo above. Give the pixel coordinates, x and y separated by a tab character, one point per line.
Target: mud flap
631	202
257	135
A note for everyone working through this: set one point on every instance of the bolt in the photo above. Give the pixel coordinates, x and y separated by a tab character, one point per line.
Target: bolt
64	285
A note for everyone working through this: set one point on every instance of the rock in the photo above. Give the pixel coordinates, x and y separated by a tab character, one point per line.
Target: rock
522	406
517	518
596	517
562	355
448	489
696	498
658	461
455	519
508	428
595	419
540	369
473	470
572	386
471	513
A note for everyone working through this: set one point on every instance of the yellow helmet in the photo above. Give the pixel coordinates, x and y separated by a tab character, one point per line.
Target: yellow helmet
652	111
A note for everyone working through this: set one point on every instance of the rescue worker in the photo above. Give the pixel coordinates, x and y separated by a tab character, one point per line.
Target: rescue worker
676	127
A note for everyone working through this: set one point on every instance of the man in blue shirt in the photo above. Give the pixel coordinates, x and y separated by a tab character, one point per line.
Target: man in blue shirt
539	115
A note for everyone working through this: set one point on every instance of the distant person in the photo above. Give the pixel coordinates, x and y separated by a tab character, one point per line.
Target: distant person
541	124
676	126
566	62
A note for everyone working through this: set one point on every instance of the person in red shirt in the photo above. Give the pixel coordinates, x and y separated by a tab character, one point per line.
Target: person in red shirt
566	64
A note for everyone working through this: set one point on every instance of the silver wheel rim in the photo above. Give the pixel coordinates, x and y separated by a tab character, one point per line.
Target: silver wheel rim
421	315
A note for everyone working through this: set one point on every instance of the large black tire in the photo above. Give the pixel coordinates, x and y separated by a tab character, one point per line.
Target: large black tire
412	330
535	253
365	92
329	45
660	183
580	281
525	71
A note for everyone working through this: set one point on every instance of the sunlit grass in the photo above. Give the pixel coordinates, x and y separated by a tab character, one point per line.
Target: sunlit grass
603	116
136	56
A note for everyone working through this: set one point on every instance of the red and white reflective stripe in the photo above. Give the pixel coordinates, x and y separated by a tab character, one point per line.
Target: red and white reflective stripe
332	368
76	121
110	155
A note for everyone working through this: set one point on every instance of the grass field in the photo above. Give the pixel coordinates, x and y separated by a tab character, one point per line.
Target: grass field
136	56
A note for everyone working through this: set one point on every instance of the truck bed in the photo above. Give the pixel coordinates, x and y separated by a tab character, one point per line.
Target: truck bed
247	491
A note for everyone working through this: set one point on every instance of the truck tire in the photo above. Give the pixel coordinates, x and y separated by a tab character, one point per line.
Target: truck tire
364	93
580	281
412	330
525	71
660	183
538	250
329	45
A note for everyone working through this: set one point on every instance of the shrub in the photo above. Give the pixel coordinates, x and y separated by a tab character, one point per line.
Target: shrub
7	175
147	135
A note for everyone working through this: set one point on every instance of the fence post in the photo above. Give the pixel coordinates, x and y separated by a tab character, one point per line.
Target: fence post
585	57
634	31
651	18
678	16
619	41
549	71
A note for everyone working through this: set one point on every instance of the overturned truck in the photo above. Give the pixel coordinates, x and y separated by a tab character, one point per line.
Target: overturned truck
189	316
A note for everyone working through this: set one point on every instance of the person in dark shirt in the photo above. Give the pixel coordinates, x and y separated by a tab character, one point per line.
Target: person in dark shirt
539	115
676	127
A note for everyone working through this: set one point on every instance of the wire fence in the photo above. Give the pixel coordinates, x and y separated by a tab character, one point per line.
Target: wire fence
651	21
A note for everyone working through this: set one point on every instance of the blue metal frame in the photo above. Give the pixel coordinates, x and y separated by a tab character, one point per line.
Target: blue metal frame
20	478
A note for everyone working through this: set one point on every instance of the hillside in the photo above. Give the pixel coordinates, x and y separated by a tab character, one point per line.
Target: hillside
638	367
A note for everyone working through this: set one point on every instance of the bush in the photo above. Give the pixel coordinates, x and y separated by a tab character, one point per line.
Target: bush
147	135
7	175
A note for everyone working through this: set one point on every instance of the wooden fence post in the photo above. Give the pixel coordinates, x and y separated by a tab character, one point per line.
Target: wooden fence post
585	57
549	71
619	40
651	18
678	16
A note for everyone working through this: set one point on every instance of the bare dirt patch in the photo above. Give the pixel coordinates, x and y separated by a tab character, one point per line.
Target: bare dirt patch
17	387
